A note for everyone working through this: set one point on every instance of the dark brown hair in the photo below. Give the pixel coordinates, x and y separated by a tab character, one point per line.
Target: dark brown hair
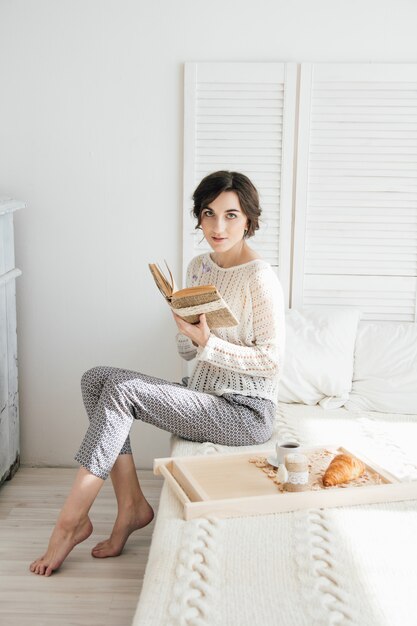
214	184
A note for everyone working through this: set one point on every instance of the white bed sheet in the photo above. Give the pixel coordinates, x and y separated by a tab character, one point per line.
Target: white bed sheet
351	566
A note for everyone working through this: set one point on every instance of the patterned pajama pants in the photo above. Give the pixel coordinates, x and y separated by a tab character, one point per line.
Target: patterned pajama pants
114	397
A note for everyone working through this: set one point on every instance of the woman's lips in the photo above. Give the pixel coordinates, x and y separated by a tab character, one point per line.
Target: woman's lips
219	238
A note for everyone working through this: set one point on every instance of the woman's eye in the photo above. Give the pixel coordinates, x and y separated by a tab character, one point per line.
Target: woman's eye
232	215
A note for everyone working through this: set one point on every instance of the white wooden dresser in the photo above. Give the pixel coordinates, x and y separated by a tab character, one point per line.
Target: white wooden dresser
9	405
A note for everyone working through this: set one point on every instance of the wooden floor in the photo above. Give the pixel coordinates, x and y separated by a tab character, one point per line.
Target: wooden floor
84	591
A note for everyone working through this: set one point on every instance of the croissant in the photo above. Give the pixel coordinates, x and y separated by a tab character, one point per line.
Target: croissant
342	468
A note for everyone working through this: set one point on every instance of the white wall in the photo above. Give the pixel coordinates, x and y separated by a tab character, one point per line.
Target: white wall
91	129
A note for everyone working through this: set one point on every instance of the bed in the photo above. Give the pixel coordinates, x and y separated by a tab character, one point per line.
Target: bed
348	565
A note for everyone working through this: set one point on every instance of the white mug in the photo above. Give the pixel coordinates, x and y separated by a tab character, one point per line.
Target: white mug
284	448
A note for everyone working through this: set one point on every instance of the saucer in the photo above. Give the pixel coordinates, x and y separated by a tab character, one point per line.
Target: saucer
272	460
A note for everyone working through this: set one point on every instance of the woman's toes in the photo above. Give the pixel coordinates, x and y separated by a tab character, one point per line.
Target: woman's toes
35	564
98	547
61	543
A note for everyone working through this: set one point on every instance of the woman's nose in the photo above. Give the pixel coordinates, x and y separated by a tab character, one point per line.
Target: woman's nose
219	225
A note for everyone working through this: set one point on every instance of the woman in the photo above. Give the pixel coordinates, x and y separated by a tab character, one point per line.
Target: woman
229	399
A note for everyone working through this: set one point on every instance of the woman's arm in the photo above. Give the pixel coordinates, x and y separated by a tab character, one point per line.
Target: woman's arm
265	357
185	347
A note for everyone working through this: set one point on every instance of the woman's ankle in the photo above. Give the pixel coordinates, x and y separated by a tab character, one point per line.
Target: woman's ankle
132	502
69	522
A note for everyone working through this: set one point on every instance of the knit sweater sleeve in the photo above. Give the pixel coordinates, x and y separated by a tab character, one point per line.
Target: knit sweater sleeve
186	348
264	356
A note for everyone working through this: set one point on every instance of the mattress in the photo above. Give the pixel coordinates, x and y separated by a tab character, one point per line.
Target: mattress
352	565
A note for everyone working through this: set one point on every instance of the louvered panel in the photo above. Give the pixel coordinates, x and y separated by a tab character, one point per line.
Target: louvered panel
356	166
362	151
213	92
252	121
321	169
268	154
362	214
268	158
352	184
366	203
261	171
380	298
356	217
264	131
240	117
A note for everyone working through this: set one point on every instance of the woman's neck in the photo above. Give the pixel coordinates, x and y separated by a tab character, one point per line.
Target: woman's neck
240	253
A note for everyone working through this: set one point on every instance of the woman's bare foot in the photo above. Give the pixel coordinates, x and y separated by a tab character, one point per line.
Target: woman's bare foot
63	539
126	522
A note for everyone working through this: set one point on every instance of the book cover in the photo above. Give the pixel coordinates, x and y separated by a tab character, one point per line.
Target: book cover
190	302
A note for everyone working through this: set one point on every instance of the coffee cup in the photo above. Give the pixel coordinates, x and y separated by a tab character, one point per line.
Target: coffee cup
284	448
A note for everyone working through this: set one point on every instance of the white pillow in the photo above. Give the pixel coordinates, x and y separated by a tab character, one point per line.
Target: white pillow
318	365
385	368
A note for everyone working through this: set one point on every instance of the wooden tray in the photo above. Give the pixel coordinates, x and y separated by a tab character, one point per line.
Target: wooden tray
228	485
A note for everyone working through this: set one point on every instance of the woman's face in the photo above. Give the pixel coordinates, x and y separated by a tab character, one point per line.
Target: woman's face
223	222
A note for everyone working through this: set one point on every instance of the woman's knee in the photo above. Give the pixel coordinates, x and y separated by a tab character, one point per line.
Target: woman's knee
94	375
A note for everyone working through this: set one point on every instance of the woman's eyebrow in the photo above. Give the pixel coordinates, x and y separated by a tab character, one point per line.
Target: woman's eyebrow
226	210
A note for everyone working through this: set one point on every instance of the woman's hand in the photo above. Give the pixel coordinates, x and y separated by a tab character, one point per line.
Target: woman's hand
198	333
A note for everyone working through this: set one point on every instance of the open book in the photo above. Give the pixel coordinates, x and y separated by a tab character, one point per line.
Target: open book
191	302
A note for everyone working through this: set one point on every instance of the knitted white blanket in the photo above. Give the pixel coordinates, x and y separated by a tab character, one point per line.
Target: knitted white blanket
350	566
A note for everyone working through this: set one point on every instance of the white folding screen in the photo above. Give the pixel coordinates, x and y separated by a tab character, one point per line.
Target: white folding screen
355	235
240	117
353	240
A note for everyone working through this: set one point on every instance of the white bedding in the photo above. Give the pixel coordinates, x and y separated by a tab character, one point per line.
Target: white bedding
385	368
351	565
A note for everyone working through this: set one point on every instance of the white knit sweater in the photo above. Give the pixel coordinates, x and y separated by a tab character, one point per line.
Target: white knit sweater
248	358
